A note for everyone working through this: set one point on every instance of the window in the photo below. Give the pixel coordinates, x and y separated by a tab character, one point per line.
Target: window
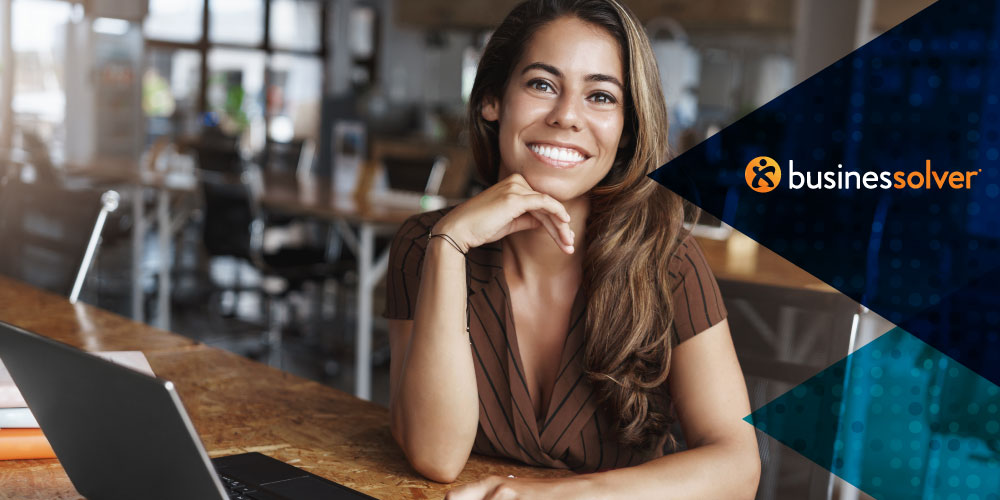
235	73
235	87
236	21
296	25
170	86
175	20
38	39
293	96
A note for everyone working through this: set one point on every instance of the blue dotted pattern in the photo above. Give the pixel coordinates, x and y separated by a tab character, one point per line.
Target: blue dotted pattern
908	416
926	259
897	419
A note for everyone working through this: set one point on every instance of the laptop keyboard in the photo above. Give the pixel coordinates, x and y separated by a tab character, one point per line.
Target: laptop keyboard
252	476
236	489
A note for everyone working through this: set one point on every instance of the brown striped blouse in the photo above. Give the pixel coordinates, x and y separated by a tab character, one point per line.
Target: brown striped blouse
576	433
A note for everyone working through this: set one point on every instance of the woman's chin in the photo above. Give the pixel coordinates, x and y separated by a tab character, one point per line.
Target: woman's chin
556	188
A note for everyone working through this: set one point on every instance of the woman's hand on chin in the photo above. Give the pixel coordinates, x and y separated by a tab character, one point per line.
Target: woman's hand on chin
506	207
510	488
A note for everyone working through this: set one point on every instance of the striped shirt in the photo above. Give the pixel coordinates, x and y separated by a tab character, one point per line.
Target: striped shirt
576	432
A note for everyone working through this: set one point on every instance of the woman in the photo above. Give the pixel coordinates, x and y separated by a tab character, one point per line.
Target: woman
619	324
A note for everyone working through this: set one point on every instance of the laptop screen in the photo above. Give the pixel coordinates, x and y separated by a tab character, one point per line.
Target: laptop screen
408	174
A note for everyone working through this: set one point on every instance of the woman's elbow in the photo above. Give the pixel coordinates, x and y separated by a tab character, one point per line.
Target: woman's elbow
750	466
434	463
438	469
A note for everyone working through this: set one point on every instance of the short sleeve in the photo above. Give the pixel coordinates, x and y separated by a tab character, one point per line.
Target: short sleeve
406	256
697	301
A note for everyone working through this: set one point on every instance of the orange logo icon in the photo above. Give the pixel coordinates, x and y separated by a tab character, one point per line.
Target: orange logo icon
763	174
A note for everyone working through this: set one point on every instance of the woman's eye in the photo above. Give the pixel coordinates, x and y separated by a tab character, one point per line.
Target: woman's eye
603	98
540	85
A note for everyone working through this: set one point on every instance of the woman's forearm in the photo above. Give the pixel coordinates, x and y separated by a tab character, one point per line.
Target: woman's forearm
728	470
435	405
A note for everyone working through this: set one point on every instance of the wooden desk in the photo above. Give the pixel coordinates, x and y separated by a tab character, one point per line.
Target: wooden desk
313	197
137	178
237	406
740	259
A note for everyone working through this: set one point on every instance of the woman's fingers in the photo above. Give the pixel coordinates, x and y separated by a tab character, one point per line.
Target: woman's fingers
474	491
522	223
561	234
508	207
539	201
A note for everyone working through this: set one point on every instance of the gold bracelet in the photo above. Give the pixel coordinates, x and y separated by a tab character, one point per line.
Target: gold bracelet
445	237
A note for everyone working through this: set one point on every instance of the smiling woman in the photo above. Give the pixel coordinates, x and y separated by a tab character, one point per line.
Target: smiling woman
562	317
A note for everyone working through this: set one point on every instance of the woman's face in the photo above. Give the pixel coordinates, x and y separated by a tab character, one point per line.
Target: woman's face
562	113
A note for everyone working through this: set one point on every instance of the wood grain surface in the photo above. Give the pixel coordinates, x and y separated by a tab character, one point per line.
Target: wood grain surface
237	406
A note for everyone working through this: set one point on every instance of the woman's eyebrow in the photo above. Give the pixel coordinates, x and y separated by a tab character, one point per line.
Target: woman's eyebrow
544	67
595	77
600	77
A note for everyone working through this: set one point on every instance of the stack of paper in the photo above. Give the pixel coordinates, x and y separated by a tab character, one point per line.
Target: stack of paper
20	435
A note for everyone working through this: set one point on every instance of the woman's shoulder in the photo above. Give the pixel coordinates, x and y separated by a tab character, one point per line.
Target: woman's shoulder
406	256
697	300
686	253
420	223
409	243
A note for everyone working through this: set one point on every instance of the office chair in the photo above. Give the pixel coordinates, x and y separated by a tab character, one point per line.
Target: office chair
783	337
234	226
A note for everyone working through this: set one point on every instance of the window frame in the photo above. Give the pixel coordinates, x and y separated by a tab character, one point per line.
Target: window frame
204	45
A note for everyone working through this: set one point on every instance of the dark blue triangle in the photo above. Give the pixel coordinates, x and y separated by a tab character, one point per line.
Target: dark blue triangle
926	259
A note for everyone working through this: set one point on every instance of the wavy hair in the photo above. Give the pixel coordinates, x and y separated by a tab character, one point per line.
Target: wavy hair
634	225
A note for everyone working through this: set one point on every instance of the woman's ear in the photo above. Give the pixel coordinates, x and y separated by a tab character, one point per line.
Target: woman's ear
491	109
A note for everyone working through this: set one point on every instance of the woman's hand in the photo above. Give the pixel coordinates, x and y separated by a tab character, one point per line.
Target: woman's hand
509	488
506	207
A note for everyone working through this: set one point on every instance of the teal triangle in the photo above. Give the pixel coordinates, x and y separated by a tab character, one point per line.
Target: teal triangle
897	419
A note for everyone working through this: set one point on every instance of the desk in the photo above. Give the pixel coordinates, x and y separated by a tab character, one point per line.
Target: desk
313	197
237	406
116	172
126	173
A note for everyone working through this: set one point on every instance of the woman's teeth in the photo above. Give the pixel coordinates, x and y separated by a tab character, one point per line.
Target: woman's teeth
558	154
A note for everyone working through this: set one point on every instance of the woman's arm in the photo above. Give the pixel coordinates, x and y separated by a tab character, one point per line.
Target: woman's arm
435	407
434	401
721	461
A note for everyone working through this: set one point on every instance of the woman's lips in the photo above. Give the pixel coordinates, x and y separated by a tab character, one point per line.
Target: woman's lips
556	156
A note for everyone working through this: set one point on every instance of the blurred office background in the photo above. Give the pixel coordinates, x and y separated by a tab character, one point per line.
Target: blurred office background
263	151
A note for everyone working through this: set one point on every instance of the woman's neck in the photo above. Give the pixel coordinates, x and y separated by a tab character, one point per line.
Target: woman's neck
532	255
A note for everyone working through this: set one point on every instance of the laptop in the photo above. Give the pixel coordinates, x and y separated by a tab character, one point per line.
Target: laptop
410	183
122	434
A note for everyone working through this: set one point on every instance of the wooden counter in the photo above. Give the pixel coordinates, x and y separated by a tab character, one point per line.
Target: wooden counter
237	406
741	260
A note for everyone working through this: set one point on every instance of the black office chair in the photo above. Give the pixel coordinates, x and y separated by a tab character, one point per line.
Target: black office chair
234	226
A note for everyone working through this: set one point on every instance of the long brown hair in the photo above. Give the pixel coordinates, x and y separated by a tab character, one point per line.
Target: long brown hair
633	227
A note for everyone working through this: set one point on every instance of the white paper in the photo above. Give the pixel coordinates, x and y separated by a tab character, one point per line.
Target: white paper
17	418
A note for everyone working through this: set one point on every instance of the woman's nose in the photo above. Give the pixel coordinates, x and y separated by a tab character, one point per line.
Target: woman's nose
564	113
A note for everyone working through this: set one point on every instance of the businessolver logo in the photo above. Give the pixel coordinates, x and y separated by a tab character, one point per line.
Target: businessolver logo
763	174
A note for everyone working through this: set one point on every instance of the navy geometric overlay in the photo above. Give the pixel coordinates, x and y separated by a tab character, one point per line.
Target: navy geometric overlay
897	419
927	259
